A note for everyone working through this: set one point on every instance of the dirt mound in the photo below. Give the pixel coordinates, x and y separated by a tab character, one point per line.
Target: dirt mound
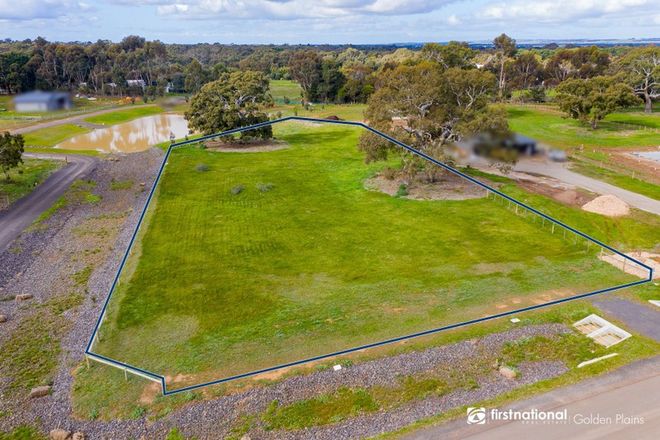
608	205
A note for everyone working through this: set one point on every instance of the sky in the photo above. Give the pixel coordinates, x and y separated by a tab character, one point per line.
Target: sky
328	21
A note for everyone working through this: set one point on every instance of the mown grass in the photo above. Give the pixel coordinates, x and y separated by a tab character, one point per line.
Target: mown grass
124	115
51	136
625	181
283	89
24	179
318	264
651	120
549	126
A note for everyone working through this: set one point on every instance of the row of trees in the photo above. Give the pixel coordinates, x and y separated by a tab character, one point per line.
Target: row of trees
536	70
326	73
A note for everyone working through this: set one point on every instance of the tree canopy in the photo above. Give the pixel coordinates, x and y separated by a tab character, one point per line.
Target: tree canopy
452	54
429	107
320	79
11	152
234	100
641	67
590	100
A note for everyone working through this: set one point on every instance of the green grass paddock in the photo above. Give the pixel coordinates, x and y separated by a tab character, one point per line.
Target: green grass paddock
125	115
51	136
272	257
549	126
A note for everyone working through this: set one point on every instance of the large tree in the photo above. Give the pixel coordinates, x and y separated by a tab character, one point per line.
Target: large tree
590	100
306	68
429	107
525	71
332	80
642	69
505	48
234	100
11	152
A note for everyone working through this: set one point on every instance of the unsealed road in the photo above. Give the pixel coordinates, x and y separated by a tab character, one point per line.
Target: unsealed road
23	212
563	174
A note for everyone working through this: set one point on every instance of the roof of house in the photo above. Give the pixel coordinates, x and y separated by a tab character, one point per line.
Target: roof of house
39	96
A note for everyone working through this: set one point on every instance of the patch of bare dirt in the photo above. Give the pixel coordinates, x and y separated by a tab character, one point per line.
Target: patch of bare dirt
648	258
247	147
646	169
567	195
281	372
449	187
150	393
608	205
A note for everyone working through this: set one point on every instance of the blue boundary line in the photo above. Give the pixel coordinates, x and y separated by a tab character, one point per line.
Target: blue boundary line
410	149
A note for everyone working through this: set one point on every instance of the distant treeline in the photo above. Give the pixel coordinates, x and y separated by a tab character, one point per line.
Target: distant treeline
328	73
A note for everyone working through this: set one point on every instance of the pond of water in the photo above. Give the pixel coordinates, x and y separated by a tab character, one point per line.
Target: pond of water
130	137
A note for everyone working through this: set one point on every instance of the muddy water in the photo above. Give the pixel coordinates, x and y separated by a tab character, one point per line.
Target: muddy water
130	137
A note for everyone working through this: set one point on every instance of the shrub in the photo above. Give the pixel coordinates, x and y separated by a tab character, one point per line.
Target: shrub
265	187
402	191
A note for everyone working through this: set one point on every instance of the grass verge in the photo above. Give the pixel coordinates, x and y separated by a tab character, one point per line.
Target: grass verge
124	115
25	178
51	136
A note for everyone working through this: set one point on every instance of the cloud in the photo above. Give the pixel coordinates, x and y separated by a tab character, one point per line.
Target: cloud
545	11
41	9
292	9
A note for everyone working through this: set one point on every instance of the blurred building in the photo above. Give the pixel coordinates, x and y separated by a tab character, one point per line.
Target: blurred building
40	101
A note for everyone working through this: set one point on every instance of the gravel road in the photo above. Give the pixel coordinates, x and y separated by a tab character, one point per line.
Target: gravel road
26	210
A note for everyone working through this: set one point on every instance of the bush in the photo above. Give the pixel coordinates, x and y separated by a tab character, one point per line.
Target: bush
265	187
402	191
